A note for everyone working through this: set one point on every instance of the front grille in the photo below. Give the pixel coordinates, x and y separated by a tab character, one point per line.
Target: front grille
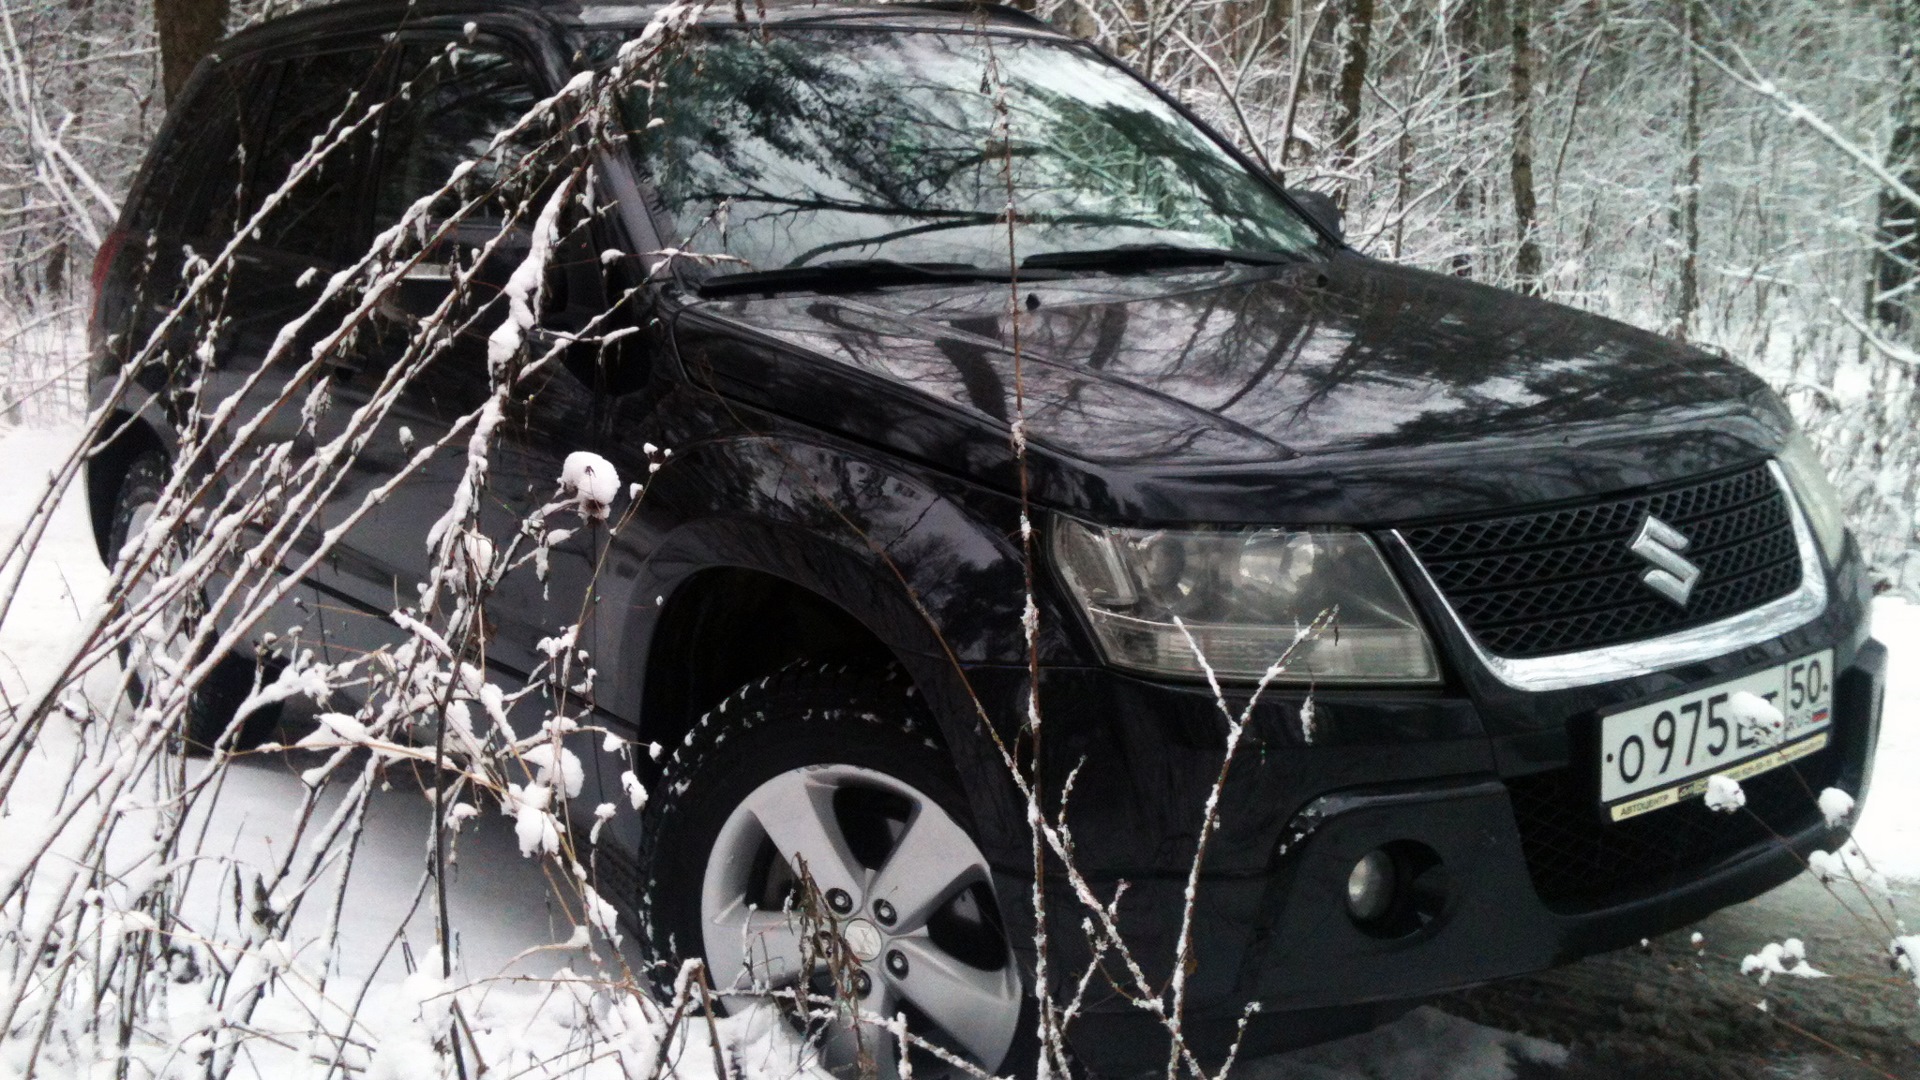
1580	860
1565	579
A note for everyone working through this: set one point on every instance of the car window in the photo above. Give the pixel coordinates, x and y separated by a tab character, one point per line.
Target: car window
455	102
193	187
793	147
317	99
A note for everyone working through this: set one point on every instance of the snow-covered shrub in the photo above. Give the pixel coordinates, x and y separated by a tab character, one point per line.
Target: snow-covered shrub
126	936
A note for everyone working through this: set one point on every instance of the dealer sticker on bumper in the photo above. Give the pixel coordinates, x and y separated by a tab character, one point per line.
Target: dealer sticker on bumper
1656	755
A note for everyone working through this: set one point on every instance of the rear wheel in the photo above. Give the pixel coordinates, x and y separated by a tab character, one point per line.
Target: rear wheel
211	707
832	779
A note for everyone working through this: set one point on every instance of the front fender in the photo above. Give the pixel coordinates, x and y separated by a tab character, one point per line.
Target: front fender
930	566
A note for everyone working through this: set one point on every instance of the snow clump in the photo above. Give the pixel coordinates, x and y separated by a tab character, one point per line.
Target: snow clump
1848	864
533	826
557	763
1787	957
1901	954
1724	794
1836	806
1756	718
636	792
592	481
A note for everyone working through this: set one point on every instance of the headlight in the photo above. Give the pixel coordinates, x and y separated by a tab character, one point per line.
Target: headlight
1816	495
1243	594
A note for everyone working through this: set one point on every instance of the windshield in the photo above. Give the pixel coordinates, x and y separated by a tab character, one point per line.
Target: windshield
797	147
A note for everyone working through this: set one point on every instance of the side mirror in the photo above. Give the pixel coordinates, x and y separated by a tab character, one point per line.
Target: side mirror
1322	209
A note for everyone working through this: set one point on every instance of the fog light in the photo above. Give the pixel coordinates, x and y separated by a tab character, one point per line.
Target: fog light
1370	887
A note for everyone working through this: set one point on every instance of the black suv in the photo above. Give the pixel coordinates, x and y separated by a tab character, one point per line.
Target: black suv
1563	557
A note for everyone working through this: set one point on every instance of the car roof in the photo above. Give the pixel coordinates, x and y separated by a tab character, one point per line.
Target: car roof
361	15
628	12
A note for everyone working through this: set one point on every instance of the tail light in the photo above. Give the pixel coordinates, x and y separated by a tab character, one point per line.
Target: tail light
103	263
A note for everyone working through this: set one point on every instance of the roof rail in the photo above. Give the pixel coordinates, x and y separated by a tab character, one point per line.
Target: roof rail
1005	11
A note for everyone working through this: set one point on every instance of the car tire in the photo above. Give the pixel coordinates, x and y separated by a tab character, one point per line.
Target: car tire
845	766
211	707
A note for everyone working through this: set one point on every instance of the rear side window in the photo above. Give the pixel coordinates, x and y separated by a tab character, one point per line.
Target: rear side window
319	101
456	101
193	187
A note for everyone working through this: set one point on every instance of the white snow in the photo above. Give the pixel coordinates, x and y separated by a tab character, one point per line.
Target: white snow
1848	865
593	481
1903	951
1835	806
636	792
1787	957
537	829
1888	821
1756	717
568	771
1724	794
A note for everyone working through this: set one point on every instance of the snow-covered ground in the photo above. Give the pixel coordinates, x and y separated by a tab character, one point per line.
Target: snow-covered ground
499	899
1889	828
66	578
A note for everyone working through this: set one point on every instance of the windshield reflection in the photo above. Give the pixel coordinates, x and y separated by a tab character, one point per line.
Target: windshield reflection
796	147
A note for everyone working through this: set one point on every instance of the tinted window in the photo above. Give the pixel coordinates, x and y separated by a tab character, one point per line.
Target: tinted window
455	102
794	147
315	99
193	187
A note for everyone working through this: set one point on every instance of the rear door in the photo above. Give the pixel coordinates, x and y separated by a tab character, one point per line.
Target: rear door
303	190
459	96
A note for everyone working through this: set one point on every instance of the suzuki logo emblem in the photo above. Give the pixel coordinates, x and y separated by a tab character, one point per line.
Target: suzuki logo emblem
1660	544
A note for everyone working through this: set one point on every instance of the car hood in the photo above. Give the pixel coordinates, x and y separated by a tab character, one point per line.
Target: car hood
1345	390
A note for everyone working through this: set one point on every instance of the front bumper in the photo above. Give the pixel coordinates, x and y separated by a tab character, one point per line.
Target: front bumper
1459	772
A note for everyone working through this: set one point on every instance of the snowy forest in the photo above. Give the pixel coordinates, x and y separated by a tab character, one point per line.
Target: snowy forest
413	885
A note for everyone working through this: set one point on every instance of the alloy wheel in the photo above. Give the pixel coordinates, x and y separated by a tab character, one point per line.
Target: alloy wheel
900	919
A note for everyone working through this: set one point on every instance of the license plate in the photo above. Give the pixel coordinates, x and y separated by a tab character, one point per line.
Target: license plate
1656	755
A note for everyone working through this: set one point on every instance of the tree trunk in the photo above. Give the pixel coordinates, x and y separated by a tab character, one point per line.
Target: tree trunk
188	31
1467	36
1276	19
1076	20
1687	212
1893	301
1357	27
1525	211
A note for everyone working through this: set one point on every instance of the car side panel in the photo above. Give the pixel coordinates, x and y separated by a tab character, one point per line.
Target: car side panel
929	565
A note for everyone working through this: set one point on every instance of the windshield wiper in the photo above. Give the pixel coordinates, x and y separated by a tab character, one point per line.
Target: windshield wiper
1131	257
845	274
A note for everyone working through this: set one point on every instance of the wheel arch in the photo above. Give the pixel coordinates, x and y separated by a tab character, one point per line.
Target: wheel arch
127	438
727	625
713	604
865	559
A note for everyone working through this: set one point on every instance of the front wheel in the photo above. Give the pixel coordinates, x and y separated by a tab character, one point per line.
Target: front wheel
810	843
